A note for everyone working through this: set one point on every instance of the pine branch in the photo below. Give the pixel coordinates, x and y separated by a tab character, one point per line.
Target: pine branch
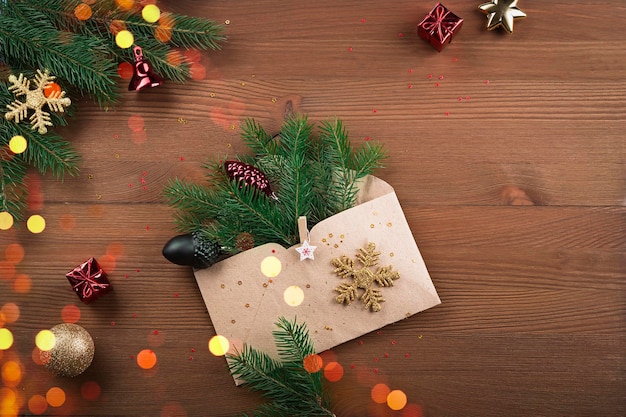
12	186
78	59
282	383
296	190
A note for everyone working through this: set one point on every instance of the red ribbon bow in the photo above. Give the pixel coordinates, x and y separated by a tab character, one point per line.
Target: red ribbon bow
439	23
88	279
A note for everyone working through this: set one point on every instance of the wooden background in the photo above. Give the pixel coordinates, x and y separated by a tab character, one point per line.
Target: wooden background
506	152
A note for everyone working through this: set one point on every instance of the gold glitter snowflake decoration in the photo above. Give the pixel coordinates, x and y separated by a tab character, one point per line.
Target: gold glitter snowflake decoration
363	278
35	100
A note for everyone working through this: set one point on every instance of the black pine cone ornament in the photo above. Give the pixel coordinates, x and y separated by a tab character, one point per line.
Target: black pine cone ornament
249	175
192	250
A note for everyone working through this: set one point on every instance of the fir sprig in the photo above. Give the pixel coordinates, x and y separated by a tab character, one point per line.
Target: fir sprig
84	57
292	390
315	177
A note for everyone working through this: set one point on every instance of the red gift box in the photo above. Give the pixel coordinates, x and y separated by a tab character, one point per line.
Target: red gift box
439	26
89	281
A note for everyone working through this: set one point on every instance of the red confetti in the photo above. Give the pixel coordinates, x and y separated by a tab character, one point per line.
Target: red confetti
190	357
467	97
436	84
376	359
430	76
393	342
130	185
400	35
367	139
175	295
192	350
386	355
156	332
112	323
362	20
455	59
375	110
116	136
137	270
126	276
134	315
410	86
350	49
441	77
375	370
486	81
352	366
181	159
447	113
360	342
410	70
406	355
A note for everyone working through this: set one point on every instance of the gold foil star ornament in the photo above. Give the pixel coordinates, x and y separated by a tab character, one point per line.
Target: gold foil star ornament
501	13
35	99
363	278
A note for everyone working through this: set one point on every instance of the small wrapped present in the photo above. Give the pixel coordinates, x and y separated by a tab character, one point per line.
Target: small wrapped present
439	26
89	281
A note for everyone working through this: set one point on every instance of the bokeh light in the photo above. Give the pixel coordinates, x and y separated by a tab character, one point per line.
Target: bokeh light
396	400
14	253
7	270
82	11
7	399
313	363
45	340
124	39
125	4
6	220
39	358
37	404
413	410
197	71
151	13
55	397
10	312
173	409
115	249
22	283
67	221
379	393
90	390
146	359
136	122
11	373
18	144
333	372
271	266
218	345
52	90
125	70
36	224
116	27
6	339
107	263
294	296
70	313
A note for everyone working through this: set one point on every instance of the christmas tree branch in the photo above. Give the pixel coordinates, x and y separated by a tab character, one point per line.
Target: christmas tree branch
284	383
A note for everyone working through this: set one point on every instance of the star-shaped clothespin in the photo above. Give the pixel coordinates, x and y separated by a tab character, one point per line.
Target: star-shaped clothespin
306	251
501	13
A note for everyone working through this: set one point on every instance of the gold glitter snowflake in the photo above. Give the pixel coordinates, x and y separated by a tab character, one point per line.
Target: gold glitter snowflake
35	100
363	278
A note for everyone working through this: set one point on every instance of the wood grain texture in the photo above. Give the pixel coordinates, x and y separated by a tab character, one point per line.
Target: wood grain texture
514	190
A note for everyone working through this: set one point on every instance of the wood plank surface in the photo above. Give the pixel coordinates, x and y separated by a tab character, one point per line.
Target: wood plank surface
507	153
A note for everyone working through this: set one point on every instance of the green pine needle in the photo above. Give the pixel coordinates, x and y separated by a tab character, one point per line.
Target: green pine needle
84	57
315	177
292	390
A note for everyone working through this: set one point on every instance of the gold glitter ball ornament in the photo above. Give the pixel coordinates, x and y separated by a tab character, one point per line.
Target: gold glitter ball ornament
72	352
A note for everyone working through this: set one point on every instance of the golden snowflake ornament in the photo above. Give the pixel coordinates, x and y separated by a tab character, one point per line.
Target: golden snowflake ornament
35	100
363	278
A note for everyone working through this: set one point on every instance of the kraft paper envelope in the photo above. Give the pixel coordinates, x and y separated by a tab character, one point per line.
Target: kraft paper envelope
244	303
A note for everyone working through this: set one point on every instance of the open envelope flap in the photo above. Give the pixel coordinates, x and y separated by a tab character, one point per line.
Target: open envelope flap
244	303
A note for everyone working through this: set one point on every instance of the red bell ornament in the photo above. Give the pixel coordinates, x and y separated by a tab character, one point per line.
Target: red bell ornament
143	74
